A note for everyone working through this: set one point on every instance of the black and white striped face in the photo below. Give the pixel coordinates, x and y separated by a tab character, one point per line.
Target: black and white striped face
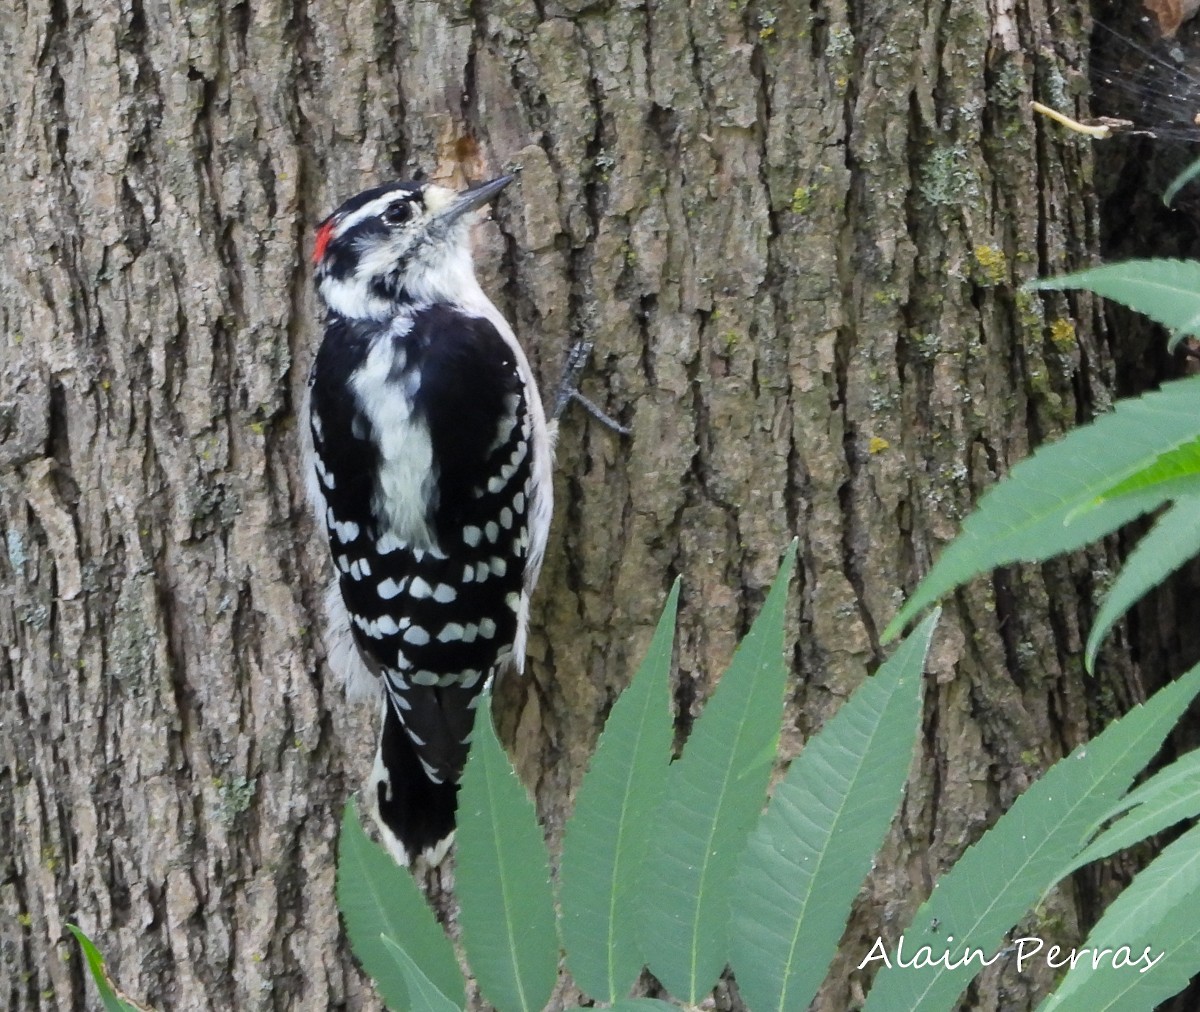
396	244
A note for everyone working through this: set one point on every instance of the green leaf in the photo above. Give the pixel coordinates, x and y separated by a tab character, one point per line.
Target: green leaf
95	962
424	995
1180	181
1171	474
715	792
1049	503
1170	796
611	831
1173	540
1155	915
810	852
377	897
1167	291
998	879
503	872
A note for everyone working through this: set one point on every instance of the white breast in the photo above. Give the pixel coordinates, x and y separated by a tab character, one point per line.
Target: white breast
406	480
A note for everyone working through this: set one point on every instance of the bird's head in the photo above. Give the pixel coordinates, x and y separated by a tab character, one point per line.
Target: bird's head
399	243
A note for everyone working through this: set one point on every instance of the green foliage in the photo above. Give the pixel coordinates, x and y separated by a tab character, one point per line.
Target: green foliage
1154	919
1170	796
379	900
810	852
640	819
423	992
1167	291
998	879
714	794
1074	491
1173	540
1180	181
612	829
95	962
774	887
1173	472
1143	455
503	871
804	862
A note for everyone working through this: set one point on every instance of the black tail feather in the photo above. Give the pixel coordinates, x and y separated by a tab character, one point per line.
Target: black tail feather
410	806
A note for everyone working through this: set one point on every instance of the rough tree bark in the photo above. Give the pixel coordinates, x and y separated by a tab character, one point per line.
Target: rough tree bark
794	233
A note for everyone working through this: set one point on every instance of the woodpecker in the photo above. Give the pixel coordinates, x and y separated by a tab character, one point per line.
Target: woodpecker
430	471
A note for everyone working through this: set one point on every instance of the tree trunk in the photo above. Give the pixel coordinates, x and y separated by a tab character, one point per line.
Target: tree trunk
794	233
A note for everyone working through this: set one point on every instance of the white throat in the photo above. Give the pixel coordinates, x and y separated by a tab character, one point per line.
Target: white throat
439	273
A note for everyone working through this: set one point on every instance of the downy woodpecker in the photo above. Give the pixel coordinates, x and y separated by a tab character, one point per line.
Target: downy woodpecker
430	470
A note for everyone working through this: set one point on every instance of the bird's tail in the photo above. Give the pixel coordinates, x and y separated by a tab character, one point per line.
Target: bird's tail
415	814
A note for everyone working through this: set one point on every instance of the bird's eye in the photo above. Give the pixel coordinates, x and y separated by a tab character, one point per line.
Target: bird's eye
397	213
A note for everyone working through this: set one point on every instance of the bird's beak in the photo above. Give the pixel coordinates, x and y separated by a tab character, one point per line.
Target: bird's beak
469	199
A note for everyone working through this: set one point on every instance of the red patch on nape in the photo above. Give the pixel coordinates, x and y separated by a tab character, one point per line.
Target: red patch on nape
324	234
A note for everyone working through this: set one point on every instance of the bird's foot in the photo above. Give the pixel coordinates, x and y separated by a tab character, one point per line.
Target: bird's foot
568	389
